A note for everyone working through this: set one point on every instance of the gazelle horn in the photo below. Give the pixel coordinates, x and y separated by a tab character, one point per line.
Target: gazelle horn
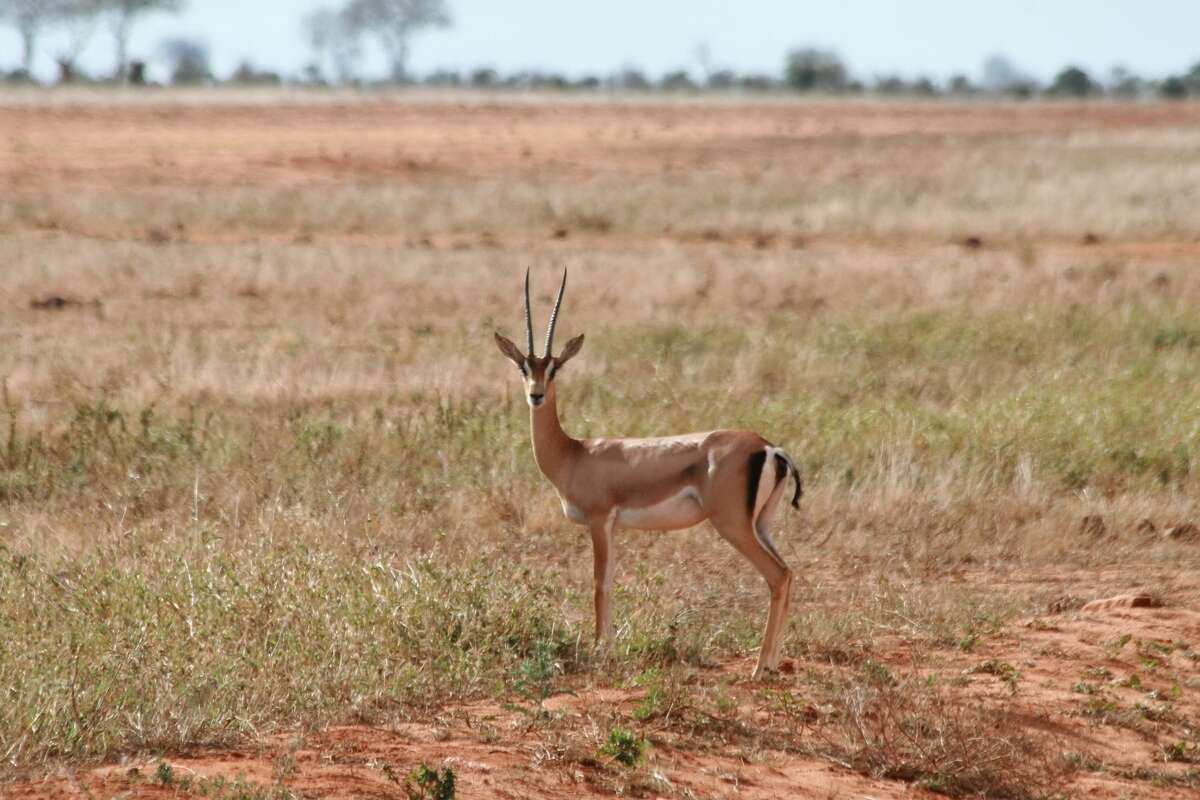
554	314
528	316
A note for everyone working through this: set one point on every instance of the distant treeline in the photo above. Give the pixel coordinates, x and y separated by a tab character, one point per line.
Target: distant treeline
337	37
189	65
820	72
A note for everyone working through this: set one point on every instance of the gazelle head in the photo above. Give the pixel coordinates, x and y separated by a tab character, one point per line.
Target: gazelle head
538	374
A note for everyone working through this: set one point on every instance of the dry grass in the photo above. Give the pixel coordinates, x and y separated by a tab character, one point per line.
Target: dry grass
915	734
1125	186
269	470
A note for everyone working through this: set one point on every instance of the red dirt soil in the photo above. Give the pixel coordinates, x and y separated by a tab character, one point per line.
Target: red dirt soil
1067	663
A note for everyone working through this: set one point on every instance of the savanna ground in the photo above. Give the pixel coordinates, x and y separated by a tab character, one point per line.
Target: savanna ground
270	525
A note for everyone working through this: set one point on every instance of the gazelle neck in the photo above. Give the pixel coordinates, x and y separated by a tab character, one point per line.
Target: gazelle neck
553	449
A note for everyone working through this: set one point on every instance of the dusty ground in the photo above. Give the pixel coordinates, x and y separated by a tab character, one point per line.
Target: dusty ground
197	143
1063	673
1066	673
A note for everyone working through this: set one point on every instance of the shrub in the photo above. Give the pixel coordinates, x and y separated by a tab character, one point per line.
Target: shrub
625	747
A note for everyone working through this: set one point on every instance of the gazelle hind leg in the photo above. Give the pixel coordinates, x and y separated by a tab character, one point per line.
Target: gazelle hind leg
777	620
740	530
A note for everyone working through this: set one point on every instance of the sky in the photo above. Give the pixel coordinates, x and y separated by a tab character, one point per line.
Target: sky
910	37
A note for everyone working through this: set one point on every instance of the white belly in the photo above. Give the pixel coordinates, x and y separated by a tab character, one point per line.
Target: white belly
680	510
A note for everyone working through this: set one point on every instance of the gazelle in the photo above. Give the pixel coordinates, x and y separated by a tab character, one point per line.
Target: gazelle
733	479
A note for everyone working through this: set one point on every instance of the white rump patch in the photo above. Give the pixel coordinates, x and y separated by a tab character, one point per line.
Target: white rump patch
767	481
770	489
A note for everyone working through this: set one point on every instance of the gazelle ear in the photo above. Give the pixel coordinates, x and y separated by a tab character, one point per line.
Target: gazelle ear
510	351
573	347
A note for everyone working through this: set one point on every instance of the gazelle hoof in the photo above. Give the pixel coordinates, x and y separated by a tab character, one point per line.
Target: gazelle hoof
762	672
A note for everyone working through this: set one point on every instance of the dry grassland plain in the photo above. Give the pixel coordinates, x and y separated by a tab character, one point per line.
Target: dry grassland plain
270	525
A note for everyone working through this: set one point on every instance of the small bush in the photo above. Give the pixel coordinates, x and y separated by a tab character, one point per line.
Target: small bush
1173	335
1181	752
625	747
652	681
1002	670
424	783
534	676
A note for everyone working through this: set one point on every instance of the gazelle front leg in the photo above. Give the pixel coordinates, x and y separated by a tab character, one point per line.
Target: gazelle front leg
602	575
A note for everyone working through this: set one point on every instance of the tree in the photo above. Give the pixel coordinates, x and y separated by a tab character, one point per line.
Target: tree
249	75
29	18
890	84
705	60
1001	77
677	81
722	79
1073	82
1173	88
631	79
32	17
924	86
78	18
756	82
123	15
1123	83
334	38
809	69
549	80
961	85
394	22
188	59
485	78
1191	79
443	78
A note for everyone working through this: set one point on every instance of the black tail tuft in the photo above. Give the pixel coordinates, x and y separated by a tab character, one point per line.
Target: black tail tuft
786	463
